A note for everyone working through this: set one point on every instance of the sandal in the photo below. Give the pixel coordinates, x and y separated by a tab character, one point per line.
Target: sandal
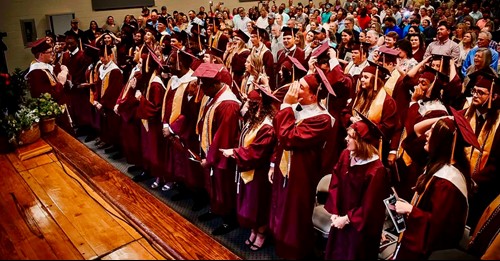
251	239
155	184
255	247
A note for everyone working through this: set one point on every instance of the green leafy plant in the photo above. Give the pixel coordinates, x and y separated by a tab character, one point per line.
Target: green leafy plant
47	107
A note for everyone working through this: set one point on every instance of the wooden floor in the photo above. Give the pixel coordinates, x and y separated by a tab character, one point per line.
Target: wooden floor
88	210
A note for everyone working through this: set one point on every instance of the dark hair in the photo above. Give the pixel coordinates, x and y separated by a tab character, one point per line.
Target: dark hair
440	148
405	45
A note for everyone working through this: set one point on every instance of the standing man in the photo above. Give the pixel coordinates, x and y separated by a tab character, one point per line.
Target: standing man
302	127
290	49
257	37
443	45
219	128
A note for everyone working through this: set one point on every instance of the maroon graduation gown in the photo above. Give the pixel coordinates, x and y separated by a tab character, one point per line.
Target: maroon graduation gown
298	54
357	191
152	140
109	121
130	132
253	203
79	107
437	222
292	205
221	185
238	66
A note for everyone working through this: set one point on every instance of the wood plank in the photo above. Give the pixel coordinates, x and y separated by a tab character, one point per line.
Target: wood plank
14	160
154	250
27	231
131	251
32	150
78	211
158	222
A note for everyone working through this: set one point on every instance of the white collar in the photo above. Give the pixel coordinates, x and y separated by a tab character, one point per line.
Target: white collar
75	51
41	66
358	162
309	111
106	68
176	81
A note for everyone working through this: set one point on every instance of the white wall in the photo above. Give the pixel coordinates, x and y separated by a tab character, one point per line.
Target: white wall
12	11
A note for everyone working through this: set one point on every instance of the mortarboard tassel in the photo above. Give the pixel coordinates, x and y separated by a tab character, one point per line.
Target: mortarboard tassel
441	65
380	142
177	65
491	94
376	79
293	73
147	63
453	145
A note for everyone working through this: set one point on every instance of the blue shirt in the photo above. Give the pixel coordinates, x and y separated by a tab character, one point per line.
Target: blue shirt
469	60
395	29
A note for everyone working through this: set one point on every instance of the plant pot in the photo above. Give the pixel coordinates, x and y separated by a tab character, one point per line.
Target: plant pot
47	125
30	135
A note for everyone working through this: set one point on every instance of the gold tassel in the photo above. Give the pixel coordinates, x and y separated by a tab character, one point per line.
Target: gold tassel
491	94
453	146
376	79
178	67
106	51
380	142
358	85
147	63
293	73
441	65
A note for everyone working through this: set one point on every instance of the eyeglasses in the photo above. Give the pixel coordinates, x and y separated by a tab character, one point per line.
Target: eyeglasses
478	92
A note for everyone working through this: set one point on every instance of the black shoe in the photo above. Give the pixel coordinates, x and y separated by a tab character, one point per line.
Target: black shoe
198	205
117	156
224	229
133	168
90	138
141	177
111	149
206	216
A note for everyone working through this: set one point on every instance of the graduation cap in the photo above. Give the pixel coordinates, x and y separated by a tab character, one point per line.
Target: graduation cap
289	31
214	71
242	35
151	29
324	81
214	51
445	61
60	38
369	132
465	131
180	52
91	50
321	49
293	63
432	76
162	20
485	79
389	55
39	46
362	48
181	36
157	60
129	28
377	70
253	95
267	93
261	33
105	50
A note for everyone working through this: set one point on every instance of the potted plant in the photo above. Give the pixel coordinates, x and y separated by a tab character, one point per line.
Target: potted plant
26	121
48	110
13	91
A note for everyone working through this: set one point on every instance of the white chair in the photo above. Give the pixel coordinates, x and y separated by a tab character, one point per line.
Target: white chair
321	217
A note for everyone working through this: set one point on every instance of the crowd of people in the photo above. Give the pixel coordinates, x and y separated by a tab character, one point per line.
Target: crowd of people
246	110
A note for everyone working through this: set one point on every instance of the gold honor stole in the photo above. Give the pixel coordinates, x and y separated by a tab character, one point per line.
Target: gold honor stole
206	135
214	42
248	139
51	77
156	79
375	111
477	159
391	82
177	103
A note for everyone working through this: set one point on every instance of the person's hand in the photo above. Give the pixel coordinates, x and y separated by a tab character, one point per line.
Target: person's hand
115	109
227	152
138	94
292	96
403	207
332	53
166	132
98	105
376	55
270	175
333	217
340	222
204	163
355	119
312	62
391	159
417	94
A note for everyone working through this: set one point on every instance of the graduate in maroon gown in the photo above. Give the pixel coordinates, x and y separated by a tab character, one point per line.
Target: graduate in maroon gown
149	113
172	107
435	220
253	158
235	56
130	132
302	127
77	63
42	79
109	86
290	49
258	36
219	128
358	187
